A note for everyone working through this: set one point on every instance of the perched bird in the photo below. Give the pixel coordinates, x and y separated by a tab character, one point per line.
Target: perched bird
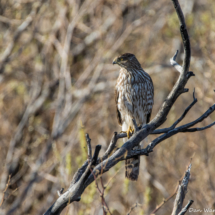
134	94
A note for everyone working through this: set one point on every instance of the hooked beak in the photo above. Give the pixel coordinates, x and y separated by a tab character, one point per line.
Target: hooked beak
115	61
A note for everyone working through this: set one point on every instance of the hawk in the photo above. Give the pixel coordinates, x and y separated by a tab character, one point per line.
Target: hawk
134	94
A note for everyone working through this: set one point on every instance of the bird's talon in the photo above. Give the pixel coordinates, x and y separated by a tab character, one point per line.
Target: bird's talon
122	132
132	131
129	132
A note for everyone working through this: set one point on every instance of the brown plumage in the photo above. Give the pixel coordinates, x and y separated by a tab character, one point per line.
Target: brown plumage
134	94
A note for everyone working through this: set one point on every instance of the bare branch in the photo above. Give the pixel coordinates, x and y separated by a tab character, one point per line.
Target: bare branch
164	201
101	192
110	148
10	21
34	105
89	147
164	130
135	125
59	192
75	190
8	183
133	207
199	129
183	128
185	209
175	64
181	193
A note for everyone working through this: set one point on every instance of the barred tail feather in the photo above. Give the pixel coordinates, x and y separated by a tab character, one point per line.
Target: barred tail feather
132	165
132	168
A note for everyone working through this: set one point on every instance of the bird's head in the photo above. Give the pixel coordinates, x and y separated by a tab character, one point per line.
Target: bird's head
126	61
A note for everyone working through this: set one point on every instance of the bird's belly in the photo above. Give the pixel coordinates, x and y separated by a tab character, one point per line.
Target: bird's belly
131	106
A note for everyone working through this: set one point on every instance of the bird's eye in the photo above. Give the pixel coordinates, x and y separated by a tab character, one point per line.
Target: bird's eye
121	59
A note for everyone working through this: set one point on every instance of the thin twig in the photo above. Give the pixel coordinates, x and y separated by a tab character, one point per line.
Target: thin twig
175	64
8	183
89	147
199	129
134	206
101	193
165	130
59	192
110	148
183	128
164	201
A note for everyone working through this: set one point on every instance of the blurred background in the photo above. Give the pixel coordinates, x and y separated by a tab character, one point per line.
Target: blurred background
57	82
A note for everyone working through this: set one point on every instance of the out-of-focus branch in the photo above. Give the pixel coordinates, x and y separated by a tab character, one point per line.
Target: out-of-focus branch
101	193
182	190
163	203
133	207
62	124
27	22
10	21
95	35
34	105
8	183
65	111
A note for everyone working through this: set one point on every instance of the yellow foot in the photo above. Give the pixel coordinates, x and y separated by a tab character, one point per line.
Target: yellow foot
129	132
122	132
